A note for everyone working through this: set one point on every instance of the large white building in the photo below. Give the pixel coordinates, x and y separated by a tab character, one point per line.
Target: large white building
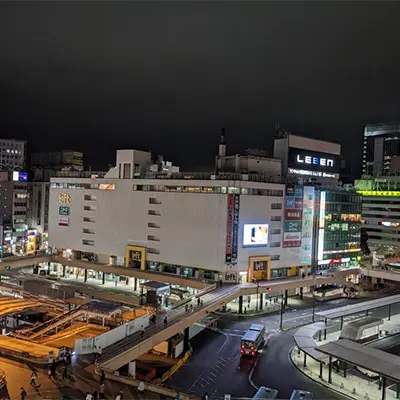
228	226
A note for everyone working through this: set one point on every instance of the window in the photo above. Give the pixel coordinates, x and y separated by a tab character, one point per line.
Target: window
88	219
276	206
127	171
89	208
153	225
275	257
21	196
153	212
276	231
275	244
153	251
90	197
88	242
153	238
276	218
107	186
88	231
153	200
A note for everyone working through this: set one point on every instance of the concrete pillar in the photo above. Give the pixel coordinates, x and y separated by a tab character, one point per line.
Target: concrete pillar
286	297
169	348
341	322
389	311
64	267
135	283
103	278
321	370
186	339
325	330
301	293
305	360
85	277
261	301
383	388
330	370
240	304
132	368
345	370
397	390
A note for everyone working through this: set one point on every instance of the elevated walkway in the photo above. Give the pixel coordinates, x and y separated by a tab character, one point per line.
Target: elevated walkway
386	274
133	346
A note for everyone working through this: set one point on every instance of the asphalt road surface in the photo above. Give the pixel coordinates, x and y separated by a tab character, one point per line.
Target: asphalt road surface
216	367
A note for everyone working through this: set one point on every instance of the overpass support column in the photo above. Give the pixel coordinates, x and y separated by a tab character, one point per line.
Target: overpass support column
135	284
397	390
63	273
389	312
240	304
132	368
345	370
341	322
85	276
305	360
186	339
325	329
330	370
321	368
286	297
261	301
103	278
301	293
383	388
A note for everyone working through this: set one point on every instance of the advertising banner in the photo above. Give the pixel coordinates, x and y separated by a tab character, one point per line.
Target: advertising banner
293	216
64	210
232	228
307	224
235	227
292	226
313	161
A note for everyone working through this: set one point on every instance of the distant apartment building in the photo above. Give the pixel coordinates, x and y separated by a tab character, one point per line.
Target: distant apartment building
12	154
38	211
380	149
46	164
13	213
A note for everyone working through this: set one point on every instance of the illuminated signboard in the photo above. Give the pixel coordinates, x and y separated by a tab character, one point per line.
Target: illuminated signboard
313	161
20	176
321	232
64	198
376	193
63	210
255	235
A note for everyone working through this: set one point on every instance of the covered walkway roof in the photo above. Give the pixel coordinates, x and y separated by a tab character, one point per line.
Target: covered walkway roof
304	338
382	363
357	308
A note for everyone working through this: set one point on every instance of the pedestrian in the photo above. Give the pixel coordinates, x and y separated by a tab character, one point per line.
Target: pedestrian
53	368
102	377
191	307
178	396
220	282
23	393
95	395
205	396
121	394
101	391
117	397
186	307
33	379
165	321
141	387
49	373
201	302
99	351
198	301
153	318
65	372
142	330
88	396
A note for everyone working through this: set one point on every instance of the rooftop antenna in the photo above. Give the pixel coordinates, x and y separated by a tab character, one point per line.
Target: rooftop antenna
277	128
222	144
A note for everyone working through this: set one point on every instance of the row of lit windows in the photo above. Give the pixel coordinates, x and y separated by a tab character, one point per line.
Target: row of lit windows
209	189
343	217
100	186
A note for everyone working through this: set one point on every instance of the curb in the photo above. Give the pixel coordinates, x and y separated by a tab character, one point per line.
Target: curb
319	382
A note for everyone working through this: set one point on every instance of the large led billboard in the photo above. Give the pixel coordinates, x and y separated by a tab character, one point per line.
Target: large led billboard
20	176
255	235
308	160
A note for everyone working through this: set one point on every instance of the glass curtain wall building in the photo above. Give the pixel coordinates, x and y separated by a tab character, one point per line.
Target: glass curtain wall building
337	229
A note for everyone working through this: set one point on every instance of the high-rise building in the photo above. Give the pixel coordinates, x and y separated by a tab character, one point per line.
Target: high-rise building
12	154
381	146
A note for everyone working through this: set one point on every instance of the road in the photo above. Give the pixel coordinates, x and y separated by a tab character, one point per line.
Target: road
216	366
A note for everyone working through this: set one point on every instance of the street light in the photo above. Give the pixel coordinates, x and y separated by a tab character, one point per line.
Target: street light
313	303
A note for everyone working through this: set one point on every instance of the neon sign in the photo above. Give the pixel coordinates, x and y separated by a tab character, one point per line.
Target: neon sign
324	162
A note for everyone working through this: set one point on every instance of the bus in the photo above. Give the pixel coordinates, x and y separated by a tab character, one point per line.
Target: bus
301	395
265	393
252	340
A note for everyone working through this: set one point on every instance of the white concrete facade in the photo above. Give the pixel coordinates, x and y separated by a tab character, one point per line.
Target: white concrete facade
180	222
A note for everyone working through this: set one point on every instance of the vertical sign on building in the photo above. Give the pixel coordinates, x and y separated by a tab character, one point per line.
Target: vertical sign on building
232	228
307	224
321	224
293	216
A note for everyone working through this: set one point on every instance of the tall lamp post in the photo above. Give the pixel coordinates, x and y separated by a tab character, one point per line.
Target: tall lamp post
313	300
282	310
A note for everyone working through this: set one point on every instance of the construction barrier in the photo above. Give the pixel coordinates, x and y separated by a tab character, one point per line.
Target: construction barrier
176	367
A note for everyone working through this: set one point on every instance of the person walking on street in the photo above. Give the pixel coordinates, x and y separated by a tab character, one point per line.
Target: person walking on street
95	395
101	391
121	394
102	377
178	395
49	373
220	283
65	372
165	321
23	394
33	379
88	396
198	301
141	330
186	307
141	387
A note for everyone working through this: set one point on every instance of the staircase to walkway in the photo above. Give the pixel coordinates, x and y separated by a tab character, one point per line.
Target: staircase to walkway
133	346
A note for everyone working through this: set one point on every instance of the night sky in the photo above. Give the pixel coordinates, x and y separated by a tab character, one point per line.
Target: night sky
97	76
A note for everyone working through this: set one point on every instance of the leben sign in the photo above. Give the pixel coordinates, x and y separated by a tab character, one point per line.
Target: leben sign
325	162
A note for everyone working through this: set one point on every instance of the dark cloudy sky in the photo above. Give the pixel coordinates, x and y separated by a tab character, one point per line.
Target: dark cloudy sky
96	76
